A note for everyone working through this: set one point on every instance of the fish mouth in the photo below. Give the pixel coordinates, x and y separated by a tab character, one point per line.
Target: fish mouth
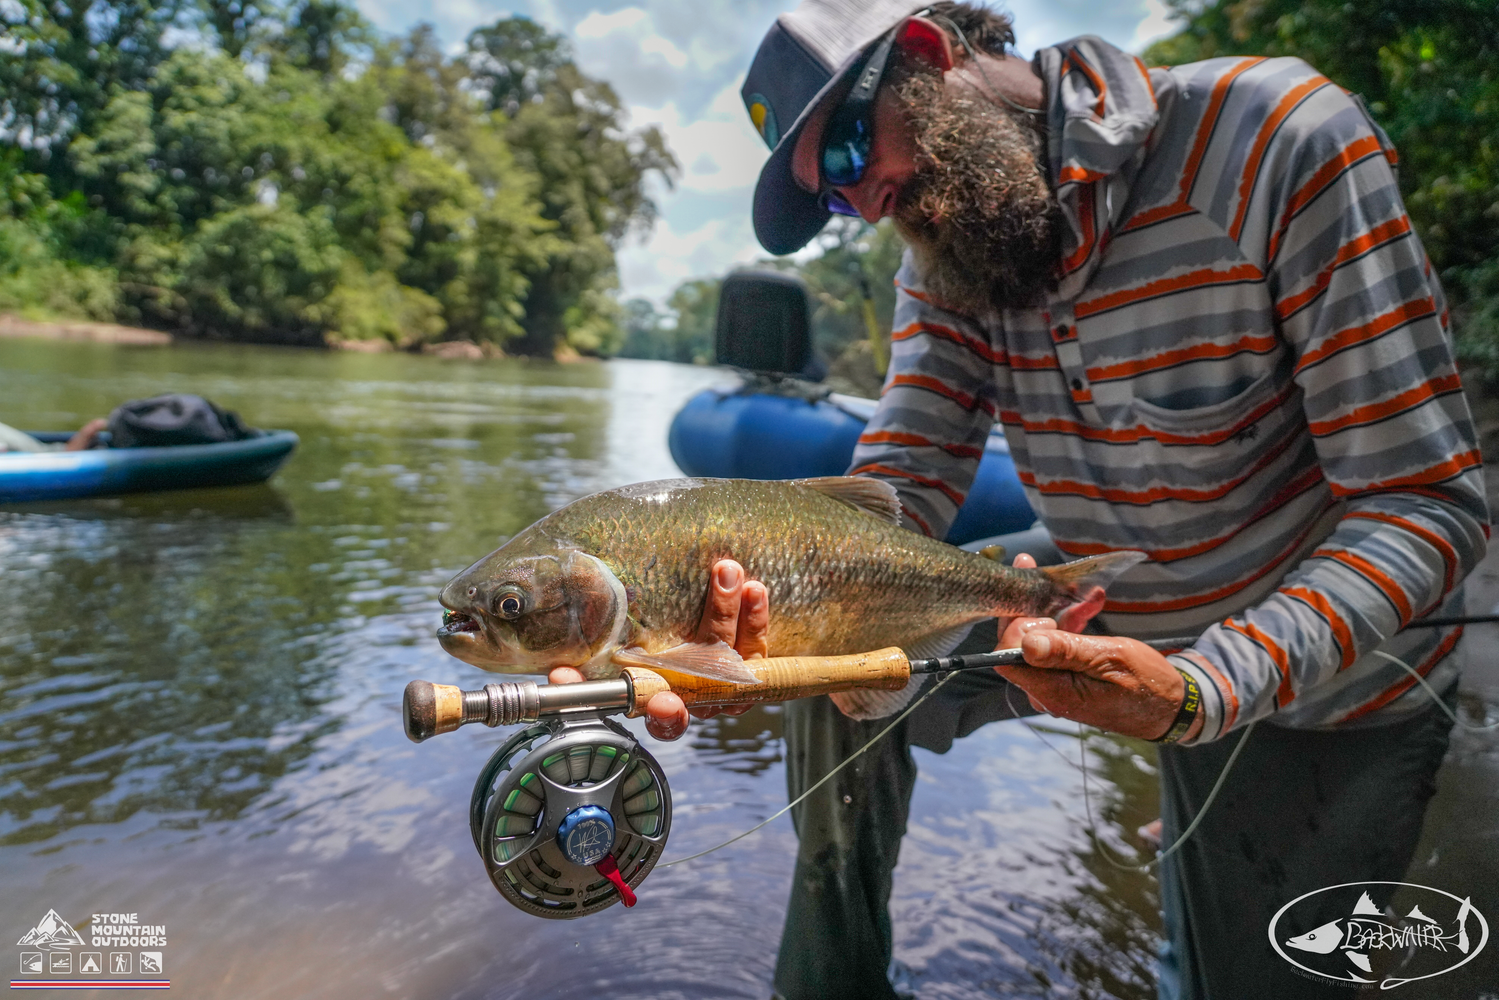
457	623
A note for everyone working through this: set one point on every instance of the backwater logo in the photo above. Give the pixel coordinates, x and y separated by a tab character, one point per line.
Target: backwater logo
1338	933
54	955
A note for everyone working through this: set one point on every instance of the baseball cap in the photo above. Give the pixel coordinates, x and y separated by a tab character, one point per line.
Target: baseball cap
806	54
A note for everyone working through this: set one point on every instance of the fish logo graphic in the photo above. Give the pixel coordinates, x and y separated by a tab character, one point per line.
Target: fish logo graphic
51	932
1422	945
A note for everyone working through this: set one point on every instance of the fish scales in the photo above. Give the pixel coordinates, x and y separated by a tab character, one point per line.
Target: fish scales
841	579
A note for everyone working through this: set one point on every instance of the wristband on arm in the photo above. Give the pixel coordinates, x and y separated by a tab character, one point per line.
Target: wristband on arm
1187	714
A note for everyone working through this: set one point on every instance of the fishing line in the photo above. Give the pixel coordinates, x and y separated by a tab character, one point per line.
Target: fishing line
1432	691
993	90
821	781
1082	738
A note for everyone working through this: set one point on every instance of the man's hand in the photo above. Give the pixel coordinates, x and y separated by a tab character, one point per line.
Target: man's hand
737	613
1121	685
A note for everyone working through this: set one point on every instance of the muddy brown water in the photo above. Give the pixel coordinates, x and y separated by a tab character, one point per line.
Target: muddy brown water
199	698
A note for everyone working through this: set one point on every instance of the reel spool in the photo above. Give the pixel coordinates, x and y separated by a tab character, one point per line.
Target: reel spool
560	800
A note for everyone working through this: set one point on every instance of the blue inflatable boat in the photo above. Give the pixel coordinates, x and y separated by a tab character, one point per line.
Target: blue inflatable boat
62	475
733	434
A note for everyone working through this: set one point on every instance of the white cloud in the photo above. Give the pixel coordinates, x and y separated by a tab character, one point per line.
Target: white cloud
1155	25
678	65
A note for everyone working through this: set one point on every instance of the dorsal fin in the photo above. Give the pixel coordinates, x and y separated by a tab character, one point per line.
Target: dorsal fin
874	497
995	552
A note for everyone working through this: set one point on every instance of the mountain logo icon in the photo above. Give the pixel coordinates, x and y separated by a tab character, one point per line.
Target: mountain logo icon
51	931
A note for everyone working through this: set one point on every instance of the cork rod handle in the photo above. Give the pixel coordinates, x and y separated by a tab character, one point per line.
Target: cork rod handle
781	678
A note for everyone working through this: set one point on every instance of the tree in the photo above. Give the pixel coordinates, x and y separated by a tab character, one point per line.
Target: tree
569	130
1429	71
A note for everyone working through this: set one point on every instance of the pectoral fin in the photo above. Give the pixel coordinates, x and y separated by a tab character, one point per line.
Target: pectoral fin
715	661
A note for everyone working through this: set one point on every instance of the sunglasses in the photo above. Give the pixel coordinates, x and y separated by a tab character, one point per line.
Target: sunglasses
850	131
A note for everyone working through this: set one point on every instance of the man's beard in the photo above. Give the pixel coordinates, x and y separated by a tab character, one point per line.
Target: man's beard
978	215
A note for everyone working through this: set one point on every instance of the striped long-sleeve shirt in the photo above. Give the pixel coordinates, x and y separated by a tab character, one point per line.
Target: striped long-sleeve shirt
1245	371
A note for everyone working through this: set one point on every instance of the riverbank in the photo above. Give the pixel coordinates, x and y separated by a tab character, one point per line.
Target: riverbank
81	330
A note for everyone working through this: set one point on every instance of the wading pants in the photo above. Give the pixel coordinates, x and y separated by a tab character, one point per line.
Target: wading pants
1300	810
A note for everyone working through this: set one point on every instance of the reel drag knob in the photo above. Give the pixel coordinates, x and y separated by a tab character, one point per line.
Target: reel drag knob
586	835
570	816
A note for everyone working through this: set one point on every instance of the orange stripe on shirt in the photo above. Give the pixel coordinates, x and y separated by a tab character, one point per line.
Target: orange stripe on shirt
1283	695
1406	681
1282	111
1341	633
1067	487
1078	175
1404	313
1372	412
918	441
1140	432
1436	541
1450	468
1204	278
889	470
1382	580
930	384
1212	596
1350	154
1385	232
1075	60
1198	352
950	335
1085	217
1199	149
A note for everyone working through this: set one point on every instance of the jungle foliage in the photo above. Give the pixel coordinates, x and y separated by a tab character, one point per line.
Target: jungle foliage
256	170
1429	73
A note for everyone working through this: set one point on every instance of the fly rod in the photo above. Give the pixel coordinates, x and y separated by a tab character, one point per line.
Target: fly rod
430	709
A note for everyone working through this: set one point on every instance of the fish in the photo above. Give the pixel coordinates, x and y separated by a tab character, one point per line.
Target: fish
621	578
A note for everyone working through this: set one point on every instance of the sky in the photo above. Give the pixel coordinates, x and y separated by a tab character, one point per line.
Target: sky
679	64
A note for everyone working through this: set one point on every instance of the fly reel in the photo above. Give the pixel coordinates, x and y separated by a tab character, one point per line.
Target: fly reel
569	817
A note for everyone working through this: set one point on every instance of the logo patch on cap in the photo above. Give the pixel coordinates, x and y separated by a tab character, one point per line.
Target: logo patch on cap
764	119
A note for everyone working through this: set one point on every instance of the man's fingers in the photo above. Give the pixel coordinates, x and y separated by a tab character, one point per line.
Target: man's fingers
1015	630
1024	560
665	716
1054	649
753	639
564	675
720	621
1074	617
1049	690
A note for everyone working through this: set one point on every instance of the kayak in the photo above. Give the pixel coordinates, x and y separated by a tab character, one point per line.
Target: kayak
61	475
731	434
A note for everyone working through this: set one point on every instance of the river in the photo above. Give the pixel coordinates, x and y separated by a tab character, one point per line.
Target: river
199	719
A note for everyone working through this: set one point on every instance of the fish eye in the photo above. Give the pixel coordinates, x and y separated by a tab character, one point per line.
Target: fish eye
473	591
509	606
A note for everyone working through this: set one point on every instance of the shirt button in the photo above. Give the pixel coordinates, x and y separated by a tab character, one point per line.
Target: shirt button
1062	331
1077	385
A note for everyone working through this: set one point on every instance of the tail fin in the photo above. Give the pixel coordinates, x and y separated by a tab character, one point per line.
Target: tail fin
1077	581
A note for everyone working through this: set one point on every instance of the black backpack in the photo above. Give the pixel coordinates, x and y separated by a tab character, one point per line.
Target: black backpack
173	419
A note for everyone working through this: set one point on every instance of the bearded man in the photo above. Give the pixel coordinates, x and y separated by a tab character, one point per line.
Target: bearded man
1193	299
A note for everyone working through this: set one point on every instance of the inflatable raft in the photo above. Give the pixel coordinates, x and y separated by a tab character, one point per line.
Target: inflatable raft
734	434
61	475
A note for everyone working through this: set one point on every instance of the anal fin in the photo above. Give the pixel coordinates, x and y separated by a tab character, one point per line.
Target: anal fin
714	661
864	704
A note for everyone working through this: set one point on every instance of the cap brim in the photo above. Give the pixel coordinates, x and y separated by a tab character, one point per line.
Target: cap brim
786	216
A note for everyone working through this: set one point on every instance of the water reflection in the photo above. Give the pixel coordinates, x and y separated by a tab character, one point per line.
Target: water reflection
199	698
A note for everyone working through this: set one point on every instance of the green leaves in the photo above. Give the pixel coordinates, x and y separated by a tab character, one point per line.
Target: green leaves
307	181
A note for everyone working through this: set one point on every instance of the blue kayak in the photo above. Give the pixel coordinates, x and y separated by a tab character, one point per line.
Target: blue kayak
63	475
722	433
